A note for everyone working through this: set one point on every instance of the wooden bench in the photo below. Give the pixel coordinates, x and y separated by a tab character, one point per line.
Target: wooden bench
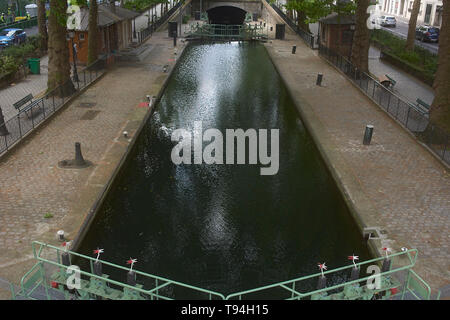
22	106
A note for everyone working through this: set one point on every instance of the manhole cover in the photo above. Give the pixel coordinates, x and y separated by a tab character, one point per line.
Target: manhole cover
89	115
87	104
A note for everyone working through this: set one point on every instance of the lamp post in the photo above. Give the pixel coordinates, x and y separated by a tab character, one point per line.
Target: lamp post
74	56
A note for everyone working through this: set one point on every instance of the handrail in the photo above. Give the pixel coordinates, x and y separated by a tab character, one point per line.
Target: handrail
301	295
148	292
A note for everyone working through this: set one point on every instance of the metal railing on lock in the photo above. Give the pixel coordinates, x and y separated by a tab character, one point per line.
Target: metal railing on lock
390	277
412	116
226	32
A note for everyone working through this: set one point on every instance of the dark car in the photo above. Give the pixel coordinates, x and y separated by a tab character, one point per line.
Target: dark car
427	33
11	36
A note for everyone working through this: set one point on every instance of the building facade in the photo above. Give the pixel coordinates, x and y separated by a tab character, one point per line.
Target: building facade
430	12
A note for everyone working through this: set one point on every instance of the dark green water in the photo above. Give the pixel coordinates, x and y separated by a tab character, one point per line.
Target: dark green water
225	227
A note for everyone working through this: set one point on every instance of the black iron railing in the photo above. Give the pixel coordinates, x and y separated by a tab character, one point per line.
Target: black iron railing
14	129
144	34
308	37
411	116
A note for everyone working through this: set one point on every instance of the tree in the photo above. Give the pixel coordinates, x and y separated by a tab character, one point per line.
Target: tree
93	33
42	24
412	26
440	108
361	37
58	50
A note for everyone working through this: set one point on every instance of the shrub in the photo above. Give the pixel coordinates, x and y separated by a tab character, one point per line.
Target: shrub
8	65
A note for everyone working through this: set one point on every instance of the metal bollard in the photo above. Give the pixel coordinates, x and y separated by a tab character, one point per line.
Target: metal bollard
79	160
98	268
271	28
65	259
319	79
175	40
386	265
355	274
368	134
322	283
131	278
294	48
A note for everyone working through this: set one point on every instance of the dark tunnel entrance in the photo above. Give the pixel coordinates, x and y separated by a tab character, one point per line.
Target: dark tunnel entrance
226	15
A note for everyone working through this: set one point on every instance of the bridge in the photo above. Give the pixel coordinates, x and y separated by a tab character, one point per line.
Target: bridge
228	12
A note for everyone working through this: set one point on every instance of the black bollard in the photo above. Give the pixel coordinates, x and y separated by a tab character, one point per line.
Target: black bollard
294	48
174	39
79	160
368	134
98	268
355	274
271	28
131	278
386	265
3	129
319	79
322	283
65	259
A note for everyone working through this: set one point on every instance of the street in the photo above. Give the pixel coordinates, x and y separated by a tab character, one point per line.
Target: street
402	30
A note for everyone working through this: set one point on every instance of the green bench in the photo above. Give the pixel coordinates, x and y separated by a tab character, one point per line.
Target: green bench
23	106
393	82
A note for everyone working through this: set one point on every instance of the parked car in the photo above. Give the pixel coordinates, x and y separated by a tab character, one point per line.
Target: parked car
387	21
10	37
427	33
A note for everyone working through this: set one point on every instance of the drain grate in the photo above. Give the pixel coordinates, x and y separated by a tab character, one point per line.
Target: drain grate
87	104
89	115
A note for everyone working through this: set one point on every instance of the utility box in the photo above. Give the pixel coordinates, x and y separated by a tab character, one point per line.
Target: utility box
280	31
173	26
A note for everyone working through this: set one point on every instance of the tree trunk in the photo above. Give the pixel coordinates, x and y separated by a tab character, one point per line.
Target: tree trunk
412	26
440	108
58	50
42	25
93	33
360	46
301	17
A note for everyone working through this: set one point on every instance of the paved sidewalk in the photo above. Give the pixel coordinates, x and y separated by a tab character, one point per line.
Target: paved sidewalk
395	183
31	184
407	86
33	83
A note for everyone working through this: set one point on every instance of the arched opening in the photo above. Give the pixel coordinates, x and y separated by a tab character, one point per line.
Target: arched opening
226	15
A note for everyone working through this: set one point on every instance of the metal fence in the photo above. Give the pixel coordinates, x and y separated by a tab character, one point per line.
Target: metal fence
309	38
23	24
25	121
147	32
411	116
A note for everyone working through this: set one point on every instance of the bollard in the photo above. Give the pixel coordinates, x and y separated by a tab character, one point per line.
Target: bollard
319	79
294	48
131	278
368	134
98	268
174	39
271	28
355	274
79	160
65	259
60	235
322	283
386	265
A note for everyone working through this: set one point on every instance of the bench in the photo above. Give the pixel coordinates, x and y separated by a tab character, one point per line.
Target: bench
21	104
423	104
392	81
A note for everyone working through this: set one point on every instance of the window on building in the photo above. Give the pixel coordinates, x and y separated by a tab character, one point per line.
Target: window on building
81	36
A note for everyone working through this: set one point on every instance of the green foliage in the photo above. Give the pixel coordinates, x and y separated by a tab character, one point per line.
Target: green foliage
8	65
48	215
186	18
420	58
316	9
141	5
15	56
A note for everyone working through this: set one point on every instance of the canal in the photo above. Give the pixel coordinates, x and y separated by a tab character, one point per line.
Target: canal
225	227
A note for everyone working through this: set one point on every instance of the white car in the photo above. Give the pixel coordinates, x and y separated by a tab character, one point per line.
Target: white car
387	21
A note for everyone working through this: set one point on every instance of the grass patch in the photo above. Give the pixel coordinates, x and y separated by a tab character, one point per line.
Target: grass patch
48	215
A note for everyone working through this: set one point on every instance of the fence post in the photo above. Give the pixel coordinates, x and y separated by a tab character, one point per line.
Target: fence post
407	117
